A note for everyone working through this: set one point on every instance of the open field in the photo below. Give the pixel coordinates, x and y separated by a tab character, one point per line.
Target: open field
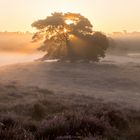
103	97
110	82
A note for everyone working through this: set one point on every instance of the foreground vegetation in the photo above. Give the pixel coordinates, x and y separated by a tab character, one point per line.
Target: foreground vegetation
32	113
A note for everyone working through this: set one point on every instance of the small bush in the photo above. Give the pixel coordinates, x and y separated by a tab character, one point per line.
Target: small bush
11	129
102	124
37	111
15	133
74	125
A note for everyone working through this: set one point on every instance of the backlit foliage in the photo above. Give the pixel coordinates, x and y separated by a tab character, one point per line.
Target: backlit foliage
69	36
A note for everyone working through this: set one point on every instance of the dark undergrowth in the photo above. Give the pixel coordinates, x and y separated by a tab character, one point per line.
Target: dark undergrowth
40	114
105	124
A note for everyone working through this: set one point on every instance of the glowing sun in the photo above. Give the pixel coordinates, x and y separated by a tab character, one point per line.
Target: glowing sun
69	21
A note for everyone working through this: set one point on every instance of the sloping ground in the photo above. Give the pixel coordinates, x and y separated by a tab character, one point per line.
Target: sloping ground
33	113
56	101
112	83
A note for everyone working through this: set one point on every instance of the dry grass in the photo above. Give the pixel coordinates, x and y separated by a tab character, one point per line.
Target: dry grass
29	110
43	115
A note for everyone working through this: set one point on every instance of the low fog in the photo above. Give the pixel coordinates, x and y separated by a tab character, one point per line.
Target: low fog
102	91
18	47
22	43
125	43
17	42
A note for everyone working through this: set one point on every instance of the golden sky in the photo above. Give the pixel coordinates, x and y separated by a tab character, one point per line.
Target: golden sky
105	15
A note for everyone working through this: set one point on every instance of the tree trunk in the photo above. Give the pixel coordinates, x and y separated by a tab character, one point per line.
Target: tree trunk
70	52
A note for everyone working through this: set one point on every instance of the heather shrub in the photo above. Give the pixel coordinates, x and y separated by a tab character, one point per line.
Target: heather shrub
116	118
7	121
53	107
44	107
11	129
30	126
78	123
37	111
15	133
74	125
133	133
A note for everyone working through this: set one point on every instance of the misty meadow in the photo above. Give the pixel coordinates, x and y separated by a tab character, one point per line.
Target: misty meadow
69	70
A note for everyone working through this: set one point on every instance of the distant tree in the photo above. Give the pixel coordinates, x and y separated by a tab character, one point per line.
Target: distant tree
69	36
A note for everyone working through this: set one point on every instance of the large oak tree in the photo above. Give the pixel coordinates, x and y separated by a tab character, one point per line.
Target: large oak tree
69	36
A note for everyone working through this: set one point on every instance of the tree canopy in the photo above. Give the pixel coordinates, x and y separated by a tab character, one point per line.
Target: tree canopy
69	36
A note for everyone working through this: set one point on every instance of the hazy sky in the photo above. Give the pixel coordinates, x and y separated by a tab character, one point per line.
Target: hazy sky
105	15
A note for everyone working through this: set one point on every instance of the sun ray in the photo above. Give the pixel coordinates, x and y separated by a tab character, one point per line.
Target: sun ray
69	21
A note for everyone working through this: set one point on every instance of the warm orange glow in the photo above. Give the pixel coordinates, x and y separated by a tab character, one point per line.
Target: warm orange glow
71	36
103	14
65	30
69	21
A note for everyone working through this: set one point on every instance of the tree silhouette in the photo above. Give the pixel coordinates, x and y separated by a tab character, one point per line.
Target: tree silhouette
69	36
